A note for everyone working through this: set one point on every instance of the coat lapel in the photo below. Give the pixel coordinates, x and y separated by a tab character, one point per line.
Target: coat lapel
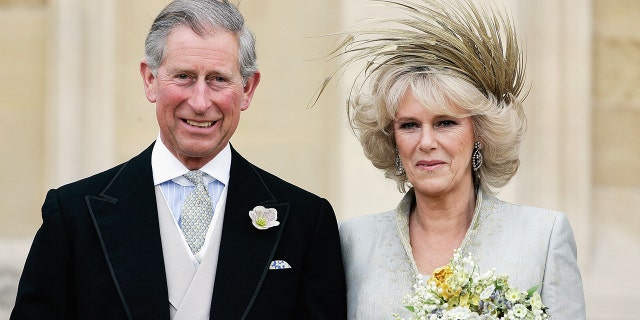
245	252
126	219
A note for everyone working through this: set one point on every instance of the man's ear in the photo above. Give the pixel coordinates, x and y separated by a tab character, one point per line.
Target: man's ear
248	90
149	81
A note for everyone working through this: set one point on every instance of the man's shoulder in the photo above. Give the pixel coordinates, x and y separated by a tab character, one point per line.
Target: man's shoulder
101	179
279	184
275	183
96	182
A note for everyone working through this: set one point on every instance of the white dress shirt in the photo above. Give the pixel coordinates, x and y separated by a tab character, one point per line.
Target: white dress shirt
168	173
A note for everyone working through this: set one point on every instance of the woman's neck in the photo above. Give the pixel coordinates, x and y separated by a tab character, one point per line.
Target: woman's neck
437	226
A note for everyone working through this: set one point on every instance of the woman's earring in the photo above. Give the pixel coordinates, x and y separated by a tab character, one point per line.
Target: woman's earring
476	158
399	167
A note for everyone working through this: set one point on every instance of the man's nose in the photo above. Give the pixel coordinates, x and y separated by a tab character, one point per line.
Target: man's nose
200	99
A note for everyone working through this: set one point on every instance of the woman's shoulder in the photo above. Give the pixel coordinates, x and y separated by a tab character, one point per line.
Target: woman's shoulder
369	220
522	218
367	224
496	207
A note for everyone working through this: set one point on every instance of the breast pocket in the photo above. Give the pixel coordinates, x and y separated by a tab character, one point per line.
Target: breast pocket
278	295
282	279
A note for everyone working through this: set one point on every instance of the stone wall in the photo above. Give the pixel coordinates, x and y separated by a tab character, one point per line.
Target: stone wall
610	281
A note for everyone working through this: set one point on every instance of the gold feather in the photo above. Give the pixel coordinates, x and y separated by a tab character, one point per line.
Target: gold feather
477	43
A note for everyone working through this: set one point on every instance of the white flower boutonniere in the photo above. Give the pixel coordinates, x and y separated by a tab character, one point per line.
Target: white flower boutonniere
264	218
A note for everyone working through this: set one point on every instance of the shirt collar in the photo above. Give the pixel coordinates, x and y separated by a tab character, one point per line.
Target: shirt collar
166	166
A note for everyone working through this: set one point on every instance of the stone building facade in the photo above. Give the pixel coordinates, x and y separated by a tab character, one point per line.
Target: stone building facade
72	103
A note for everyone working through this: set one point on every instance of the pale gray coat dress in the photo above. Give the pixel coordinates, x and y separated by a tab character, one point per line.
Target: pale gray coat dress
531	245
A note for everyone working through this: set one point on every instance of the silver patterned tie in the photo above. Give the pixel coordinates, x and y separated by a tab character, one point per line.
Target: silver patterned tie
197	211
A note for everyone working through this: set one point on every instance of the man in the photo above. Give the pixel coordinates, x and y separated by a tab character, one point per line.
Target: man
169	234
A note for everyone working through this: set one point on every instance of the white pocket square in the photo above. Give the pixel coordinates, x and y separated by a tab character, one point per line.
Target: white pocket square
279	265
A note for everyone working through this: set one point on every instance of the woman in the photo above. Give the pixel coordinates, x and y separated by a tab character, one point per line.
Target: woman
438	110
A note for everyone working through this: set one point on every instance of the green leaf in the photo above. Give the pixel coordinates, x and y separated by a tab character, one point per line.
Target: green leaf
410	308
532	290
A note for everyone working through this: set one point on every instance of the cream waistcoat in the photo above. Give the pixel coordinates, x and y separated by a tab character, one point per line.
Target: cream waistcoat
190	286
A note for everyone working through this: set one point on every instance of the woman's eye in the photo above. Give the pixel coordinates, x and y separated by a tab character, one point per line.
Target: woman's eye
446	123
408	125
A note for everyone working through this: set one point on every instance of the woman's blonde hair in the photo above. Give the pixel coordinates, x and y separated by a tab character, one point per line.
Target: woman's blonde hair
498	126
449	53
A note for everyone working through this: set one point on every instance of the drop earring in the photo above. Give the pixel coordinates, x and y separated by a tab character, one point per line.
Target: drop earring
399	167
476	158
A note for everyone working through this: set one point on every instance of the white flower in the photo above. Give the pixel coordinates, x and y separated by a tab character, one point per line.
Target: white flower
536	301
458	313
513	294
264	218
519	310
486	293
459	291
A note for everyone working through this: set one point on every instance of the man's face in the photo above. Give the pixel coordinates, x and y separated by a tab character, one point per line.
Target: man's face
199	93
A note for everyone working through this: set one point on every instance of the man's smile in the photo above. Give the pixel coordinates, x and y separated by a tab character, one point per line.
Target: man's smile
199	124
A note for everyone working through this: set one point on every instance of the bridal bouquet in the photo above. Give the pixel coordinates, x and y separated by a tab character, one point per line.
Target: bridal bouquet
458	292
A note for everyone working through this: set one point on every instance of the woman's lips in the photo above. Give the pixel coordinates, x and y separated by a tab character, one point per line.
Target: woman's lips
430	164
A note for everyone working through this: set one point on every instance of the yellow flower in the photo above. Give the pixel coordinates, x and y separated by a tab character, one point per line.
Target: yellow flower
464	300
502	282
453	302
475	299
442	274
451	291
439	279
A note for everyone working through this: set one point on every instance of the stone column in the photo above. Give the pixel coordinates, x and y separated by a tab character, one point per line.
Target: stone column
79	108
556	156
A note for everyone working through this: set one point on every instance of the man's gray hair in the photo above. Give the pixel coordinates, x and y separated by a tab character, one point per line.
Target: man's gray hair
202	16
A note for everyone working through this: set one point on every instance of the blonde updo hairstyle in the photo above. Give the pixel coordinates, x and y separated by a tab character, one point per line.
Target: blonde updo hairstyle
498	124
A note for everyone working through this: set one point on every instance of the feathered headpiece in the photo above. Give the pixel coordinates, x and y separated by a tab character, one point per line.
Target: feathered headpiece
476	43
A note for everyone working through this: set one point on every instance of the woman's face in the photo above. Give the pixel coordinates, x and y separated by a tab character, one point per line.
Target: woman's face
435	149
